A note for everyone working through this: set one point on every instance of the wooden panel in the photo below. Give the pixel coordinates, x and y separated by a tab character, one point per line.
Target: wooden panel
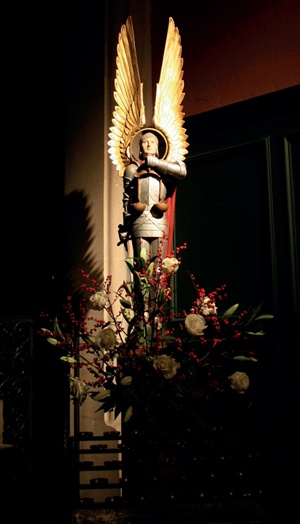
237	208
223	214
292	163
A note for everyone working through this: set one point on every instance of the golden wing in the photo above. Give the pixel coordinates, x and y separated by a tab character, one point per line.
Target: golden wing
129	114
168	115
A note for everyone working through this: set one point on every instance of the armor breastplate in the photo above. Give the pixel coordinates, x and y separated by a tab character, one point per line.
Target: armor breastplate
151	222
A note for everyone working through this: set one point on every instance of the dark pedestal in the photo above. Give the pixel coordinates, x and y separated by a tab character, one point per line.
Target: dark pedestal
242	512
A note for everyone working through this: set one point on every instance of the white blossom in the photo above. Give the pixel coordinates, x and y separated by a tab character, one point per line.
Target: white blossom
166	365
99	300
106	339
239	381
195	324
170	265
79	389
208	307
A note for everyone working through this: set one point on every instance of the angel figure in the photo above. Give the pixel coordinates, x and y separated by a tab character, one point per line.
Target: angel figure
149	158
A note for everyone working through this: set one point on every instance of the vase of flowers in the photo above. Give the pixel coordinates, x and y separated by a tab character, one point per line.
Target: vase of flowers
165	373
142	355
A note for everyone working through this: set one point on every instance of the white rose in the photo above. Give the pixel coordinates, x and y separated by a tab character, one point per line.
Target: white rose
208	307
239	381
195	324
170	265
99	300
106	339
166	365
79	389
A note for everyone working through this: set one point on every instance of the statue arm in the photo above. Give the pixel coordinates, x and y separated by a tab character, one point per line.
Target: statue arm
173	169
129	174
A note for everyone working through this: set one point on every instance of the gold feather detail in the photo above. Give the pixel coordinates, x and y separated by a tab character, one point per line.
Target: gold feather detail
168	115
129	113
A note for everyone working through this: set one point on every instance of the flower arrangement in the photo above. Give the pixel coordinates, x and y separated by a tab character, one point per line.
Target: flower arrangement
139	355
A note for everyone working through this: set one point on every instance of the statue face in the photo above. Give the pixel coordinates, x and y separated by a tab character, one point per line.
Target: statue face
149	145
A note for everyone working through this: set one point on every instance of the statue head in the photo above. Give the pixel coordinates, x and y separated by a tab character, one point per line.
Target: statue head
134	150
148	144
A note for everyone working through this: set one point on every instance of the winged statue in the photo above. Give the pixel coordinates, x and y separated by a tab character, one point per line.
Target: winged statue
150	159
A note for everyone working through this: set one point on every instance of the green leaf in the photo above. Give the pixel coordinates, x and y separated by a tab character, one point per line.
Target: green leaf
138	292
129	265
263	317
230	311
254	314
151	268
47	331
52	341
205	364
56	327
138	283
125	303
133	325
101	395
126	381
128	414
70	360
256	333
126	314
203	358
242	358
127	286
143	254
169	338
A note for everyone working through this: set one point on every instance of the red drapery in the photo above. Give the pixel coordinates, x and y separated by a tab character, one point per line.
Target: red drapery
170	215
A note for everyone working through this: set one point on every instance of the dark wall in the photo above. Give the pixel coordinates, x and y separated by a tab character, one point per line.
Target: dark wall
238	211
232	51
